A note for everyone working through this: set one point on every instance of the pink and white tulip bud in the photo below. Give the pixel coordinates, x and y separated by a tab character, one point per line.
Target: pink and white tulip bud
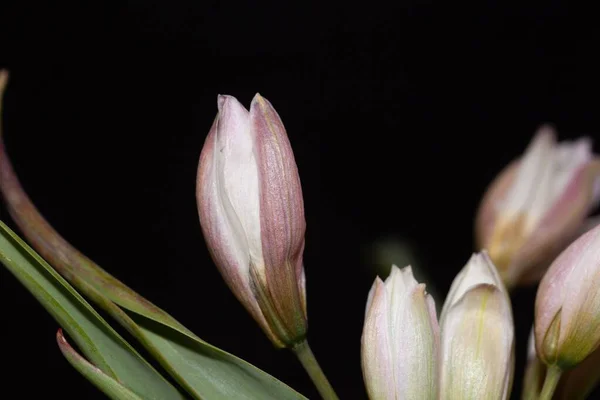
400	340
252	215
567	305
477	335
537	205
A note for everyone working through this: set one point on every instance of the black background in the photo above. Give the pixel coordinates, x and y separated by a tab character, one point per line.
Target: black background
399	116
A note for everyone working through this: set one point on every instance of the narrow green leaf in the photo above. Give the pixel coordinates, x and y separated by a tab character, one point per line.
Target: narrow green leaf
205	371
96	339
105	383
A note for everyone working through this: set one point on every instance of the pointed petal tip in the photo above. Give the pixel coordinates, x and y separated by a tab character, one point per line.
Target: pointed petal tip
226	100
262	104
378	282
259	101
221	100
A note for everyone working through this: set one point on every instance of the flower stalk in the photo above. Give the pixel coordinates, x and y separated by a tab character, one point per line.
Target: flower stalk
309	362
550	382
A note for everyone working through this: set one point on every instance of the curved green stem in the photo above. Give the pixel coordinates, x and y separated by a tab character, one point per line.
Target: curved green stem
310	364
552	377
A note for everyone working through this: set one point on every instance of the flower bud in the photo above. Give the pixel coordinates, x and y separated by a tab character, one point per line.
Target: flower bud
477	335
567	304
252	215
535	207
400	339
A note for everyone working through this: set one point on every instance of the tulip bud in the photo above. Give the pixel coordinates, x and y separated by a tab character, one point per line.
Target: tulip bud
252	215
536	206
567	304
400	339
477	335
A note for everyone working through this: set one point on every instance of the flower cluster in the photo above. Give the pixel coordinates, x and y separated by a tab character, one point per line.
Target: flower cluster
468	353
532	226
251	212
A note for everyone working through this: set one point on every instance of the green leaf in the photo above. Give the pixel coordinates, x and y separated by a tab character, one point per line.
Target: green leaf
205	371
96	339
105	383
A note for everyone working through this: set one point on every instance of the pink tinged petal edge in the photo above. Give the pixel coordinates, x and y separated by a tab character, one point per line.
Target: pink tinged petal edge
282	207
580	315
485	368
376	354
281	216
223	246
564	218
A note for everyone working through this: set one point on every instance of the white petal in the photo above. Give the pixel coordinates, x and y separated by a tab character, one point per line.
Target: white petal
240	172
479	270
414	336
376	356
477	346
401	346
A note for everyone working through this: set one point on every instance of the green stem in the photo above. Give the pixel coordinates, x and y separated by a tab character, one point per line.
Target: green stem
552	377
310	364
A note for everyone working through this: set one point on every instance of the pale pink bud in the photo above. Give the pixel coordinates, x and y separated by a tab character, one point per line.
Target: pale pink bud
477	335
252	215
400	339
567	305
537	204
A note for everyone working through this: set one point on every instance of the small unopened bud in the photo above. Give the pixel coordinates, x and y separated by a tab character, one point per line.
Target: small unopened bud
400	339
537	206
477	335
252	215
404	356
567	305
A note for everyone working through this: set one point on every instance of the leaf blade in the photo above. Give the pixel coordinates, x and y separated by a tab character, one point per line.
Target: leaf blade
99	342
96	376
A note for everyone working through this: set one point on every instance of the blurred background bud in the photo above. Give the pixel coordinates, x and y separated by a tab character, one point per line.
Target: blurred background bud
537	205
